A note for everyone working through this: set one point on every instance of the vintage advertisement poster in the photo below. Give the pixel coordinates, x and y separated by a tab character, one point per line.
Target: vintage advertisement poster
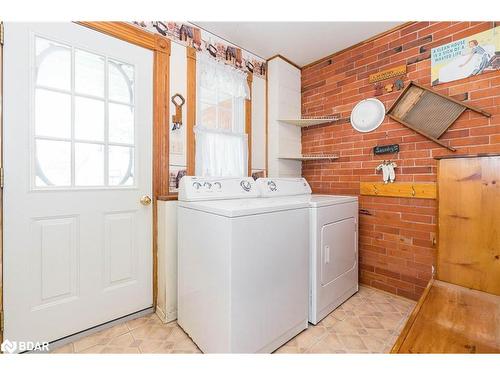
476	54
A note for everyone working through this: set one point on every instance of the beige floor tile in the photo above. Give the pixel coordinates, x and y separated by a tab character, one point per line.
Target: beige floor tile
375	345
369	322
309	337
385	307
149	319
328	344
151	331
100	338
105	349
381	334
155	346
185	346
176	351
126	340
331	319
353	343
177	334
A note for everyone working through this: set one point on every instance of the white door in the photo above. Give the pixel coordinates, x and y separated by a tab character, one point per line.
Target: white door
77	158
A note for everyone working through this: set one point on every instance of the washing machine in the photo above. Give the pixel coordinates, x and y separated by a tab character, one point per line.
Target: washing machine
243	266
333	242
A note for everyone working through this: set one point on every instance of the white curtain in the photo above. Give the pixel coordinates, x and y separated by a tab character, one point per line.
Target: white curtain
221	152
211	74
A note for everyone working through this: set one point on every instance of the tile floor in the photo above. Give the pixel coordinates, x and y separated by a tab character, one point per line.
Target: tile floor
369	322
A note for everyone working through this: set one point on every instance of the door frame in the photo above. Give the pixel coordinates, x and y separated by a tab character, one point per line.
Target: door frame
160	46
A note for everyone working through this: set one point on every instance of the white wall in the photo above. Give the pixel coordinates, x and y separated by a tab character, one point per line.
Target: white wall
178	85
166	306
284	103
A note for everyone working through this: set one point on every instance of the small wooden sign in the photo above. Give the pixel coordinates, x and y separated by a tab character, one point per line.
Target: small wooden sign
389	149
388	73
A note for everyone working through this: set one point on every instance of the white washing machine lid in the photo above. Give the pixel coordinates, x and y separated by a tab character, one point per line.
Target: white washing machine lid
244	207
317	200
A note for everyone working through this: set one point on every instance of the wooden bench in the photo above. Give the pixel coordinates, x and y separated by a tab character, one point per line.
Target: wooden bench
459	311
452	319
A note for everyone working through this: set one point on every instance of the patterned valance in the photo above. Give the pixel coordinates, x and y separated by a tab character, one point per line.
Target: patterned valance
207	43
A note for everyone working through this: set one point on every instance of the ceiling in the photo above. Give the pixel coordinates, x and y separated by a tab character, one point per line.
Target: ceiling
300	42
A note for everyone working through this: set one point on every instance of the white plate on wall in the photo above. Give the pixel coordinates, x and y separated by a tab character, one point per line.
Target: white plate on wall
367	115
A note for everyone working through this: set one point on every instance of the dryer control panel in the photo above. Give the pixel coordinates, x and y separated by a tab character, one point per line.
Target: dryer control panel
282	187
194	188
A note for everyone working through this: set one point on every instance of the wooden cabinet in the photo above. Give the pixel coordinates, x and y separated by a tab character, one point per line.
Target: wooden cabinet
469	223
459	312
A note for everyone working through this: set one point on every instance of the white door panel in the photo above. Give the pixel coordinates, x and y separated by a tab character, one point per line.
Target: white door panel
77	158
338	249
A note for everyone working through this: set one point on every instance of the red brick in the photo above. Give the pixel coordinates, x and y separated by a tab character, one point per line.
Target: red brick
395	247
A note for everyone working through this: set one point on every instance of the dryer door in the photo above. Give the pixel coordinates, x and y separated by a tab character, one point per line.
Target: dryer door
338	249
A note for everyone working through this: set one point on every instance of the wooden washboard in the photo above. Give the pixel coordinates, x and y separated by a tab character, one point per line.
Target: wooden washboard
428	112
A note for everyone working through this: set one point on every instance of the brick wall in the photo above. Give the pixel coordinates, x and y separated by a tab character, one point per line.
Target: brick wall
396	234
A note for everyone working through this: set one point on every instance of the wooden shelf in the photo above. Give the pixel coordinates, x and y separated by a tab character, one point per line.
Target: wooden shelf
170	197
305	122
310	157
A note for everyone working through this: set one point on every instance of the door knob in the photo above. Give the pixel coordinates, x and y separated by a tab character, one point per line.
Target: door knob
145	200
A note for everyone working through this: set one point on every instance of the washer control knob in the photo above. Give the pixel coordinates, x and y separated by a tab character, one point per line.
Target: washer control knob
245	185
196	185
272	185
207	185
218	185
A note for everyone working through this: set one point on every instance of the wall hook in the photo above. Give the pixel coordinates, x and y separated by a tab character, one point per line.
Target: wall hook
178	101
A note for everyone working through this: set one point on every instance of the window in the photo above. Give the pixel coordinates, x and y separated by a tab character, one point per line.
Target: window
221	142
83	118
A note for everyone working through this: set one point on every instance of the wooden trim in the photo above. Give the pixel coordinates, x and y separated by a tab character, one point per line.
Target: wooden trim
191	109
1	186
435	140
161	134
267	124
285	59
409	323
399	189
161	86
483	155
398	99
170	197
471	107
379	35
248	122
124	31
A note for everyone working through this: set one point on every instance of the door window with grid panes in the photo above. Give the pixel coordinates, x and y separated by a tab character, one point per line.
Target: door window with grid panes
84	120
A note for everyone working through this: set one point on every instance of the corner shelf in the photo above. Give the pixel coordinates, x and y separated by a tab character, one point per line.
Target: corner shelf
305	122
310	157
